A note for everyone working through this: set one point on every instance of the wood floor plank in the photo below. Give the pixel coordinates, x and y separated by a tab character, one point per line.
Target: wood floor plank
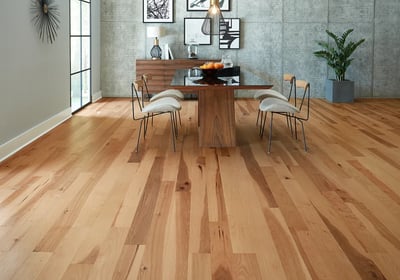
246	230
387	259
153	258
80	203
143	217
32	266
201	267
109	253
63	255
134	193
289	254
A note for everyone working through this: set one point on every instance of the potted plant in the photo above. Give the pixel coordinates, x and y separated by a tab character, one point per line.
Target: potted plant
338	57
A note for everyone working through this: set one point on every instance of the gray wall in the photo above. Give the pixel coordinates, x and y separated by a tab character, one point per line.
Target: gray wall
34	76
277	36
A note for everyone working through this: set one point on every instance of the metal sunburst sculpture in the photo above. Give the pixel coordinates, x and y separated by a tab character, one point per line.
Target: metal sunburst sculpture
46	19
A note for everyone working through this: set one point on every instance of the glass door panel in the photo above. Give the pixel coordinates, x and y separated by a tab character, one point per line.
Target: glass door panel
76	92
75	17
80	53
75	54
85	18
86	87
85	53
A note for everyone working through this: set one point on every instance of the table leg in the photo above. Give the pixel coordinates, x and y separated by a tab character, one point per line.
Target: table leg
216	115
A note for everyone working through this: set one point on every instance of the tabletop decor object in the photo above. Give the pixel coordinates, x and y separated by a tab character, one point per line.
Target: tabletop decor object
338	57
46	19
154	32
209	73
193	50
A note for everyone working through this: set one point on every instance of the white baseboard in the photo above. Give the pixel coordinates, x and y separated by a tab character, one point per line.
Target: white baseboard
96	96
14	145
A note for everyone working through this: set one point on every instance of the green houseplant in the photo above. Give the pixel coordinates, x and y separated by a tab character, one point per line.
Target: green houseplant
338	57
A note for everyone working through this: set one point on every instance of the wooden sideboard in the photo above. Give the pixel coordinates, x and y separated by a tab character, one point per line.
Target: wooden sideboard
163	71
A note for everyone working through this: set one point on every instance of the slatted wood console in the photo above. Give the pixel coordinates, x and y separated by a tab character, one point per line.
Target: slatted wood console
163	71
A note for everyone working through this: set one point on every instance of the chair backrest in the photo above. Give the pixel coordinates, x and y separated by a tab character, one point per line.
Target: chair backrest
146	78
137	94
292	80
305	97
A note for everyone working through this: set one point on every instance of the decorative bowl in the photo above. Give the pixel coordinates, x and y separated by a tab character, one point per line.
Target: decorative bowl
209	73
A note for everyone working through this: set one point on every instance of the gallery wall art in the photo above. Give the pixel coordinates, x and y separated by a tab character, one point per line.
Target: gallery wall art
229	34
203	5
158	11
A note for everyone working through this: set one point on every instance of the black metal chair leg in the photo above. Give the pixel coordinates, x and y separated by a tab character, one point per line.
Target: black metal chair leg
145	126
304	137
270	133
138	138
262	125
173	129
180	120
175	124
290	124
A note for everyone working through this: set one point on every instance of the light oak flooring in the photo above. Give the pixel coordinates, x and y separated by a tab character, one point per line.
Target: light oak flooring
80	204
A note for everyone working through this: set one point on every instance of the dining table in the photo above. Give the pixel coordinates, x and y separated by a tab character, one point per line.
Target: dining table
216	100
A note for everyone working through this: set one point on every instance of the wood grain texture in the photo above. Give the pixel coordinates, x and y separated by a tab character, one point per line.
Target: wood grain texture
163	70
217	127
79	203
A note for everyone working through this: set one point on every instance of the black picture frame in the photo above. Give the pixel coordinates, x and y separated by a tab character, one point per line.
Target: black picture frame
192	31
155	12
229	34
203	5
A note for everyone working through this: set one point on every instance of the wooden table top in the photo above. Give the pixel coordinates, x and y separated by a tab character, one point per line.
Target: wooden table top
245	80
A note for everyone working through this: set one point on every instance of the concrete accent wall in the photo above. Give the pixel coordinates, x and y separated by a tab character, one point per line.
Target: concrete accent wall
277	36
96	54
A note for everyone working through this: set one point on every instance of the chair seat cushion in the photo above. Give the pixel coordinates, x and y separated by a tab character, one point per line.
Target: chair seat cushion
265	93
168	93
277	105
165	104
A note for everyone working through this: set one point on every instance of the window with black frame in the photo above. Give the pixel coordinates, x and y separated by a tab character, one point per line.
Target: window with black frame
80	53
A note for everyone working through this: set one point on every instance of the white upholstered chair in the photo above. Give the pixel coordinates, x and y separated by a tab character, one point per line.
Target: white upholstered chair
298	111
267	93
142	111
174	93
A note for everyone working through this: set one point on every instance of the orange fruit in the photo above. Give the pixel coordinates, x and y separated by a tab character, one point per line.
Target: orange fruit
218	65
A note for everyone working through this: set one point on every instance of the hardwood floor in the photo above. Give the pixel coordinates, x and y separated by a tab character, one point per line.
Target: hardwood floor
80	204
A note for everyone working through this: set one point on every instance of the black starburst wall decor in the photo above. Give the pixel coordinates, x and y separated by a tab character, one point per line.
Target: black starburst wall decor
46	19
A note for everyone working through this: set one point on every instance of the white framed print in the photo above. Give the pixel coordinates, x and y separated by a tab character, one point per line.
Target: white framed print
229	34
203	5
192	32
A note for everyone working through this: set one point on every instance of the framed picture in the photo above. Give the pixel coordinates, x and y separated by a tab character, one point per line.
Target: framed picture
229	34
203	5
158	11
192	30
